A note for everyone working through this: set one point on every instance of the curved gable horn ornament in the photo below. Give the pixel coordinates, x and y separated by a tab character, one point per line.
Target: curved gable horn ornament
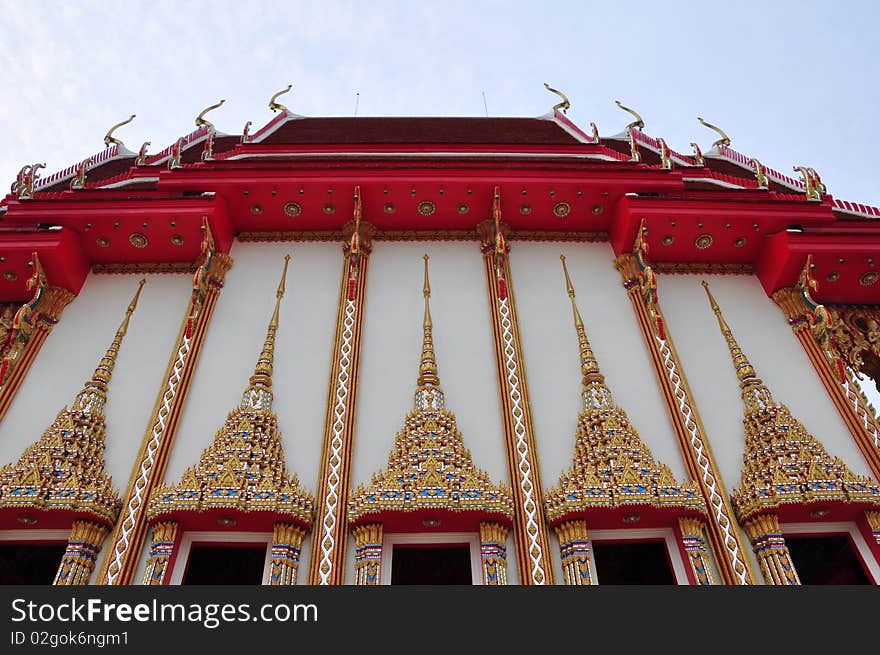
201	120
24	183
638	123
277	106
723	141
110	139
142	154
564	105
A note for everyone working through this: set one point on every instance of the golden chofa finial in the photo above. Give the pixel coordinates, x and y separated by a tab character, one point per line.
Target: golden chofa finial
744	369
724	140
589	365
564	105
277	106
638	123
201	120
258	395
94	393
109	138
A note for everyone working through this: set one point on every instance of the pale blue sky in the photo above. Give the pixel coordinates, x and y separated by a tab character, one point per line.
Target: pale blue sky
790	82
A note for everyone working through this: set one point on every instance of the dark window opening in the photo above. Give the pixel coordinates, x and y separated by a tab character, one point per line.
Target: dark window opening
632	562
826	560
434	565
30	563
225	564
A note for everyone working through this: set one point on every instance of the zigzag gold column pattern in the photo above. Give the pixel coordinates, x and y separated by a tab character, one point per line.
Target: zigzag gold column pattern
164	538
127	540
769	546
286	545
530	527
368	554
327	561
814	327
23	336
493	553
641	285
574	544
83	545
695	546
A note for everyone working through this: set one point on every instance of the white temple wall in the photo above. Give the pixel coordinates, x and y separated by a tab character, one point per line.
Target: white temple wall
391	347
75	346
303	347
778	357
552	356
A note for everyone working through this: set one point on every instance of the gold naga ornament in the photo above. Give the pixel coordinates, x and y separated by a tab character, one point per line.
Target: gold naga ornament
783	464
244	469
430	468
612	467
64	470
24	321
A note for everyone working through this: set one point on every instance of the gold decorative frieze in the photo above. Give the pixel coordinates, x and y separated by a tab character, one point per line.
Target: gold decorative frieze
244	468
430	468
612	466
783	463
64	470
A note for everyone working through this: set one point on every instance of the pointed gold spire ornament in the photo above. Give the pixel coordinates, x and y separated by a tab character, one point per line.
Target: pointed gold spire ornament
783	463
244	469
612	466
430	470
64	470
258	396
92	398
428	393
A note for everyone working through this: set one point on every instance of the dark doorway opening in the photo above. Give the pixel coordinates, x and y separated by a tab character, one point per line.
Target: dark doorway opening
30	563
826	560
225	564
431	565
632	562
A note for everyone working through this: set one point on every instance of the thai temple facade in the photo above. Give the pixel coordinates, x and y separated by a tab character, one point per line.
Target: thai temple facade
479	351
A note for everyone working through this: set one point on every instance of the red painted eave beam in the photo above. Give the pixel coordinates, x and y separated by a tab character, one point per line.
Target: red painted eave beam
844	258
62	259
